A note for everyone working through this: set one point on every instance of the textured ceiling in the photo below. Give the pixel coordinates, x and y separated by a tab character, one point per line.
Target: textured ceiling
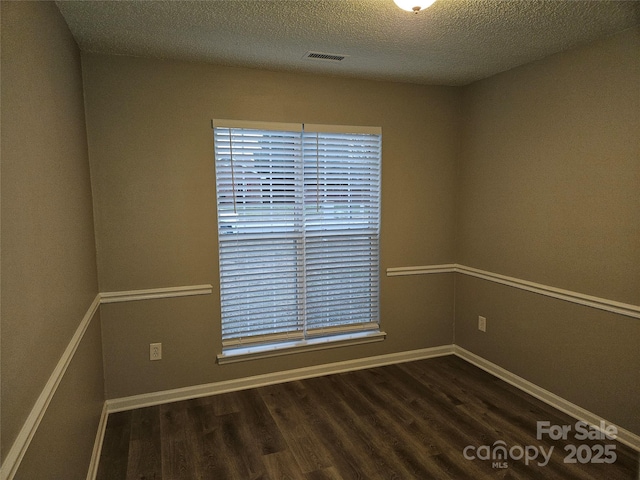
454	42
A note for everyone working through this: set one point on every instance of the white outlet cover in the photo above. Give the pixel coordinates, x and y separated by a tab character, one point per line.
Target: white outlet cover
155	351
482	324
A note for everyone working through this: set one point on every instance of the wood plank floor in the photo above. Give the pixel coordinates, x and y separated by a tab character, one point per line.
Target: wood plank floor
406	421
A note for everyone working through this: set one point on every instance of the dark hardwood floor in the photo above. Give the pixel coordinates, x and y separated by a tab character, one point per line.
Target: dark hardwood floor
406	421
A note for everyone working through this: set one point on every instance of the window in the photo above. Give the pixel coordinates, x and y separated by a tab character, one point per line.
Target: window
298	229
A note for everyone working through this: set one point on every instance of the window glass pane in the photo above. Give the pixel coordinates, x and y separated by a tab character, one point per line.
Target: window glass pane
342	211
258	179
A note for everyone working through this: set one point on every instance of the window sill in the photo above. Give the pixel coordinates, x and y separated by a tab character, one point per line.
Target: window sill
254	352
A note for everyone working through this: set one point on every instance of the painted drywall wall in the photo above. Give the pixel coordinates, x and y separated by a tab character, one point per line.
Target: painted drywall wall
151	153
64	441
549	174
549	191
49	277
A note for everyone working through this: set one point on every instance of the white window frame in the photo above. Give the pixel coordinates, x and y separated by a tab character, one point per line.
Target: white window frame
349	221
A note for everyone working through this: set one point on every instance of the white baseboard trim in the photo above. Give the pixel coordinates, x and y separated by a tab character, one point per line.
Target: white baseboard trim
153	293
600	303
97	445
624	436
157	398
28	430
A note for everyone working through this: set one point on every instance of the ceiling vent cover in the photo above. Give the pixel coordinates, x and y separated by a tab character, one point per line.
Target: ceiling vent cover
329	57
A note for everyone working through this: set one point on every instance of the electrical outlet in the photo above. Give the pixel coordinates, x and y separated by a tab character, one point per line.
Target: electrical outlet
482	324
155	351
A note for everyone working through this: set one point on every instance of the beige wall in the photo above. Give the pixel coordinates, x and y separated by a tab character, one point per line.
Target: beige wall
48	262
548	190
62	446
550	169
151	153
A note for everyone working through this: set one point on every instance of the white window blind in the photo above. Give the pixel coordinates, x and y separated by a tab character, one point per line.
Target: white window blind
298	224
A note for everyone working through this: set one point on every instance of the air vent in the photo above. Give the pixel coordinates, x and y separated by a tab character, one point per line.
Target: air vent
329	57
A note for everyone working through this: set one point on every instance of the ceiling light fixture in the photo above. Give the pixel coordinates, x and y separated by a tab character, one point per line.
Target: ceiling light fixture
414	5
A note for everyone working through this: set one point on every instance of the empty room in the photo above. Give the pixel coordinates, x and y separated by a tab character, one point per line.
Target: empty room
320	239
